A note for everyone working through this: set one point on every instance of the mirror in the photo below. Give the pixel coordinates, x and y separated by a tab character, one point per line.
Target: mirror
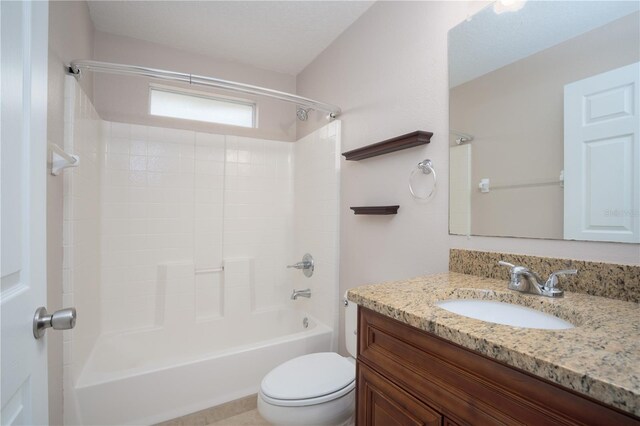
544	121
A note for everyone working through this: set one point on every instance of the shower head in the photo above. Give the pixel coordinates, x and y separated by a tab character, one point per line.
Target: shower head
303	113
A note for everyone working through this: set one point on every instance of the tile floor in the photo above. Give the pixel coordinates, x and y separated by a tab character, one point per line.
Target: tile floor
241	412
248	418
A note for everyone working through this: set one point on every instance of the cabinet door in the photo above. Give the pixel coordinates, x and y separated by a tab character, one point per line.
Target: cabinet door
381	403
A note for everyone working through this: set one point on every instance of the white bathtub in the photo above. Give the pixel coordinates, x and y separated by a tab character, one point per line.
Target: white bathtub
155	375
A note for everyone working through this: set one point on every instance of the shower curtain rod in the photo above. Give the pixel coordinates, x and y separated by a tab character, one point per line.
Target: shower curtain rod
76	67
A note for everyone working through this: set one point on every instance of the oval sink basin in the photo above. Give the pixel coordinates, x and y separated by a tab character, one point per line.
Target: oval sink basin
504	313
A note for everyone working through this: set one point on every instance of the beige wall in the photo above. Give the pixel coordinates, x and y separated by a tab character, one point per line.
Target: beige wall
125	98
516	116
388	72
70	36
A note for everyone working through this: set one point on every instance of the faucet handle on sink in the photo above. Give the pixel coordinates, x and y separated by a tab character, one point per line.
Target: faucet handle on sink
503	263
521	278
553	278
515	269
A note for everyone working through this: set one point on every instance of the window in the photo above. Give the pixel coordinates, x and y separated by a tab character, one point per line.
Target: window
188	105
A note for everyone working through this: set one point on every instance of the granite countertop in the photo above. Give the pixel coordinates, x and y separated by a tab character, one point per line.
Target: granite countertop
600	357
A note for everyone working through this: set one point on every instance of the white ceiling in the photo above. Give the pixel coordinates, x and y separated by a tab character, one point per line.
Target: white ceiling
489	41
282	36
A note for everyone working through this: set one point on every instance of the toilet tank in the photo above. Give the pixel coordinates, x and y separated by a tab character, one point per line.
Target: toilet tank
351	326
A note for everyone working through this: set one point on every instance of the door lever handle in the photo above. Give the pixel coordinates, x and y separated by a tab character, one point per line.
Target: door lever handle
64	319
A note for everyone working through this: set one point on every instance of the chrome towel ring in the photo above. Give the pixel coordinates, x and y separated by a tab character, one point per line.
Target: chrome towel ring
425	167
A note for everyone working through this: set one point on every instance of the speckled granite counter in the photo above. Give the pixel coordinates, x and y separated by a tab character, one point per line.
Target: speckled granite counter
600	357
610	280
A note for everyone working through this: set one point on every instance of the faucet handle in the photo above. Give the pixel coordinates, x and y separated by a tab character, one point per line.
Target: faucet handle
516	270
553	278
503	263
307	265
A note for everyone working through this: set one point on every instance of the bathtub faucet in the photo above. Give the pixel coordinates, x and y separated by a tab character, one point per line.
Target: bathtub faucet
301	293
306	265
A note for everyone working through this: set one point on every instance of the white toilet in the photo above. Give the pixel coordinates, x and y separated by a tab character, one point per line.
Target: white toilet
314	389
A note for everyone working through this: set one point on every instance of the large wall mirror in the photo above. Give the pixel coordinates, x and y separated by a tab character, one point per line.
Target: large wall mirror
544	120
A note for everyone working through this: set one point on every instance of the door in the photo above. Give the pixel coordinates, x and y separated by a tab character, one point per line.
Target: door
23	130
602	157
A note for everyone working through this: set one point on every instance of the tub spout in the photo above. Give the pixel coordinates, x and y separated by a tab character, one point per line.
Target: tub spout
301	293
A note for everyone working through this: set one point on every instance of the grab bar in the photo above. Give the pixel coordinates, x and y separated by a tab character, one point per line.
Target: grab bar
208	270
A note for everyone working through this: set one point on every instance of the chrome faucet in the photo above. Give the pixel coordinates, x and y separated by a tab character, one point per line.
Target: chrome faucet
301	293
307	265
526	281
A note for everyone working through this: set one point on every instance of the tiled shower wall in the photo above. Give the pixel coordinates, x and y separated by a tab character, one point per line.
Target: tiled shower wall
152	214
258	217
316	219
147	218
83	136
174	202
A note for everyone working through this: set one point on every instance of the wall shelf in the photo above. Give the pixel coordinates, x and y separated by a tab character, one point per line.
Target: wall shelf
379	210
390	145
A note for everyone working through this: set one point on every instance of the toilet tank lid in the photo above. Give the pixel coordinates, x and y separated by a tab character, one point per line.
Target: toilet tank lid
309	376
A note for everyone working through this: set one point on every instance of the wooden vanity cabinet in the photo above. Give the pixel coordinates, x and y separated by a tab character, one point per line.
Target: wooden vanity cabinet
386	404
406	376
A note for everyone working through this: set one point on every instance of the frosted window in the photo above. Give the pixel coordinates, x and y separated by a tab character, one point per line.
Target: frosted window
168	103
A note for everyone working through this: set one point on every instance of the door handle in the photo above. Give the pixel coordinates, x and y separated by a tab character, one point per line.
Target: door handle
64	319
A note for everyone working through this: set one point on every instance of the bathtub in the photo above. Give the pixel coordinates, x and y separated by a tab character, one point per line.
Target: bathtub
149	376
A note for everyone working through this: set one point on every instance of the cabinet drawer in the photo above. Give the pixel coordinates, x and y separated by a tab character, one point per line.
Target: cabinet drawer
384	404
466	387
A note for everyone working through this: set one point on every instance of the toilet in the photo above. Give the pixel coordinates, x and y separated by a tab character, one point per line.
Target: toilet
313	389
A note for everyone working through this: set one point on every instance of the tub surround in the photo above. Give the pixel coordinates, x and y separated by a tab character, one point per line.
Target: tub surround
192	238
599	358
610	280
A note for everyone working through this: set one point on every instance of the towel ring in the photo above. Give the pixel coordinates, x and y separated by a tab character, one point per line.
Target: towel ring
426	167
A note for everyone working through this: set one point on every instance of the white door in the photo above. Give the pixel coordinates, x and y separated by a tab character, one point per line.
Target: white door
602	157
23	129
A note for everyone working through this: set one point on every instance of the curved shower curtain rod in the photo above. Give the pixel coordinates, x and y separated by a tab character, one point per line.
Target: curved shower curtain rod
76	67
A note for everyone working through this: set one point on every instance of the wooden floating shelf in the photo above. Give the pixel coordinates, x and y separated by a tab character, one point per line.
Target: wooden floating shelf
375	210
390	145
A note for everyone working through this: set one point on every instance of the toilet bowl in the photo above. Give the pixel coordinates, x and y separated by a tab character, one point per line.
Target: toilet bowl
313	389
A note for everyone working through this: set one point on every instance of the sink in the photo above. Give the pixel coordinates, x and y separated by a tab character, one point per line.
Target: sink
504	313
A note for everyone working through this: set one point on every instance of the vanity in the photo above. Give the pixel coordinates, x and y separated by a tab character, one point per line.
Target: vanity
542	123
421	364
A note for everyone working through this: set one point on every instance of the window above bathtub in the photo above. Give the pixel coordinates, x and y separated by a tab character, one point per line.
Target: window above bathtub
198	106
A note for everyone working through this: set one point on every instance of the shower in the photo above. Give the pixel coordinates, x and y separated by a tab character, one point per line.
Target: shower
180	242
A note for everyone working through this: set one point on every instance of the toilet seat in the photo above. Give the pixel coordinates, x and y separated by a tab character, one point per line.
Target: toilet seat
309	401
309	380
